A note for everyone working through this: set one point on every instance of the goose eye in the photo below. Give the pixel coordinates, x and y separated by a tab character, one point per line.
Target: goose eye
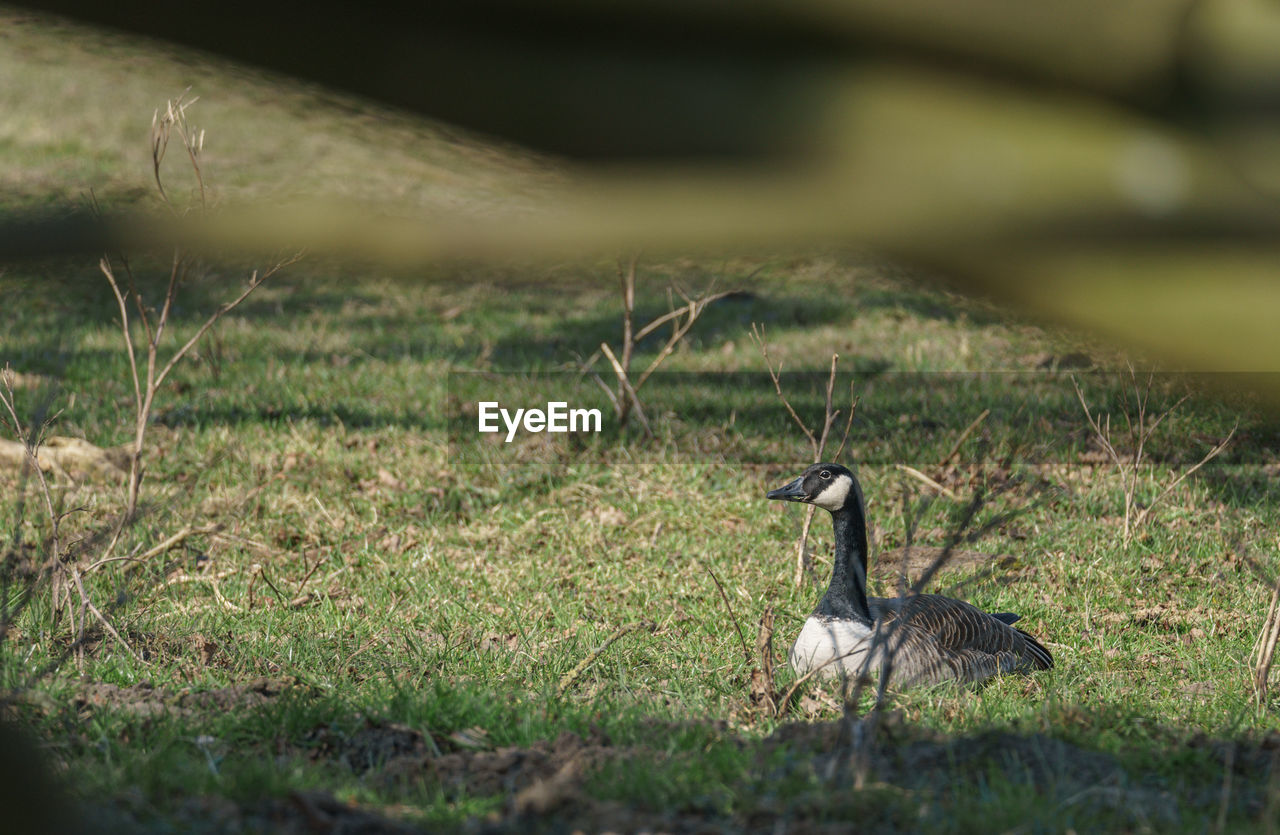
824	474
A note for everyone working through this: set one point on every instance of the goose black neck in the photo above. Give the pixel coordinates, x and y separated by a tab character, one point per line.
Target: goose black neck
846	597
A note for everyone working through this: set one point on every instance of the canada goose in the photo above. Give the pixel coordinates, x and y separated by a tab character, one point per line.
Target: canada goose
933	638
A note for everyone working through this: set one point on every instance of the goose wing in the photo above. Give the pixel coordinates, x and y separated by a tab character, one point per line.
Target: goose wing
937	638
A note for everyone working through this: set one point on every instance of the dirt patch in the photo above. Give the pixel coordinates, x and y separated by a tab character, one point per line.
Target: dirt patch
145	699
1172	617
464	760
514	770
318	811
71	458
373	746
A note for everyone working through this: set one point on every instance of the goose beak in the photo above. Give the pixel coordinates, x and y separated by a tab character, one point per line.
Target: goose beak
790	492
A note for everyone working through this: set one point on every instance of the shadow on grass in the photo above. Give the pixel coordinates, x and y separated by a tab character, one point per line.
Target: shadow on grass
63	296
277	755
902	418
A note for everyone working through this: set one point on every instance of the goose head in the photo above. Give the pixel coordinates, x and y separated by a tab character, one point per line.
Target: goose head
828	486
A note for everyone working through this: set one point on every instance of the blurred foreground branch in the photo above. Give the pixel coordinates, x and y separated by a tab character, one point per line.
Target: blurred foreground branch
1093	163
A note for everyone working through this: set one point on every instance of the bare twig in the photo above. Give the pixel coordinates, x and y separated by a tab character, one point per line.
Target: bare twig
625	399
179	579
303	585
828	415
746	653
757	334
763	691
279	596
154	323
928	482
105	266
629	399
255	281
571	677
968	430
255	571
144	329
803	563
1263	654
175	119
691	312
801	681
848	422
1208	456
1140	428
170	542
85	602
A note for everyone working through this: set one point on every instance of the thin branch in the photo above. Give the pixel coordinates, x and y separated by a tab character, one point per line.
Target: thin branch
848	423
828	415
613	398
1208	456
144	313
1103	437
140	559
817	444
725	597
1141	429
1264	648
628	280
625	384
693	310
177	271
674	313
933	485
105	266
276	591
757	334
955	448
159	143
303	585
799	682
102	620
569	678
255	281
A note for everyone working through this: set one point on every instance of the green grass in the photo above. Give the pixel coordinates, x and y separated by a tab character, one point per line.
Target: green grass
455	580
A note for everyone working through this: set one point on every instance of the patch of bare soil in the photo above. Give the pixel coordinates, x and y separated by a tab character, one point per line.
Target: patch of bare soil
536	778
1173	617
144	699
73	458
305	813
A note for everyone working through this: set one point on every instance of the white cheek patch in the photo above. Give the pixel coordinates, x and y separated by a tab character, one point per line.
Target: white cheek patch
834	497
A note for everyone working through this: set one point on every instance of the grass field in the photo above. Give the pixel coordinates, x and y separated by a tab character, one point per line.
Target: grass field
388	629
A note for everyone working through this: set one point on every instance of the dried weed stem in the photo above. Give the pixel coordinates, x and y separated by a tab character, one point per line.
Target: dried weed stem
817	441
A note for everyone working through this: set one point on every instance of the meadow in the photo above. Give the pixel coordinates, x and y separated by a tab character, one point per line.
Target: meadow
381	620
